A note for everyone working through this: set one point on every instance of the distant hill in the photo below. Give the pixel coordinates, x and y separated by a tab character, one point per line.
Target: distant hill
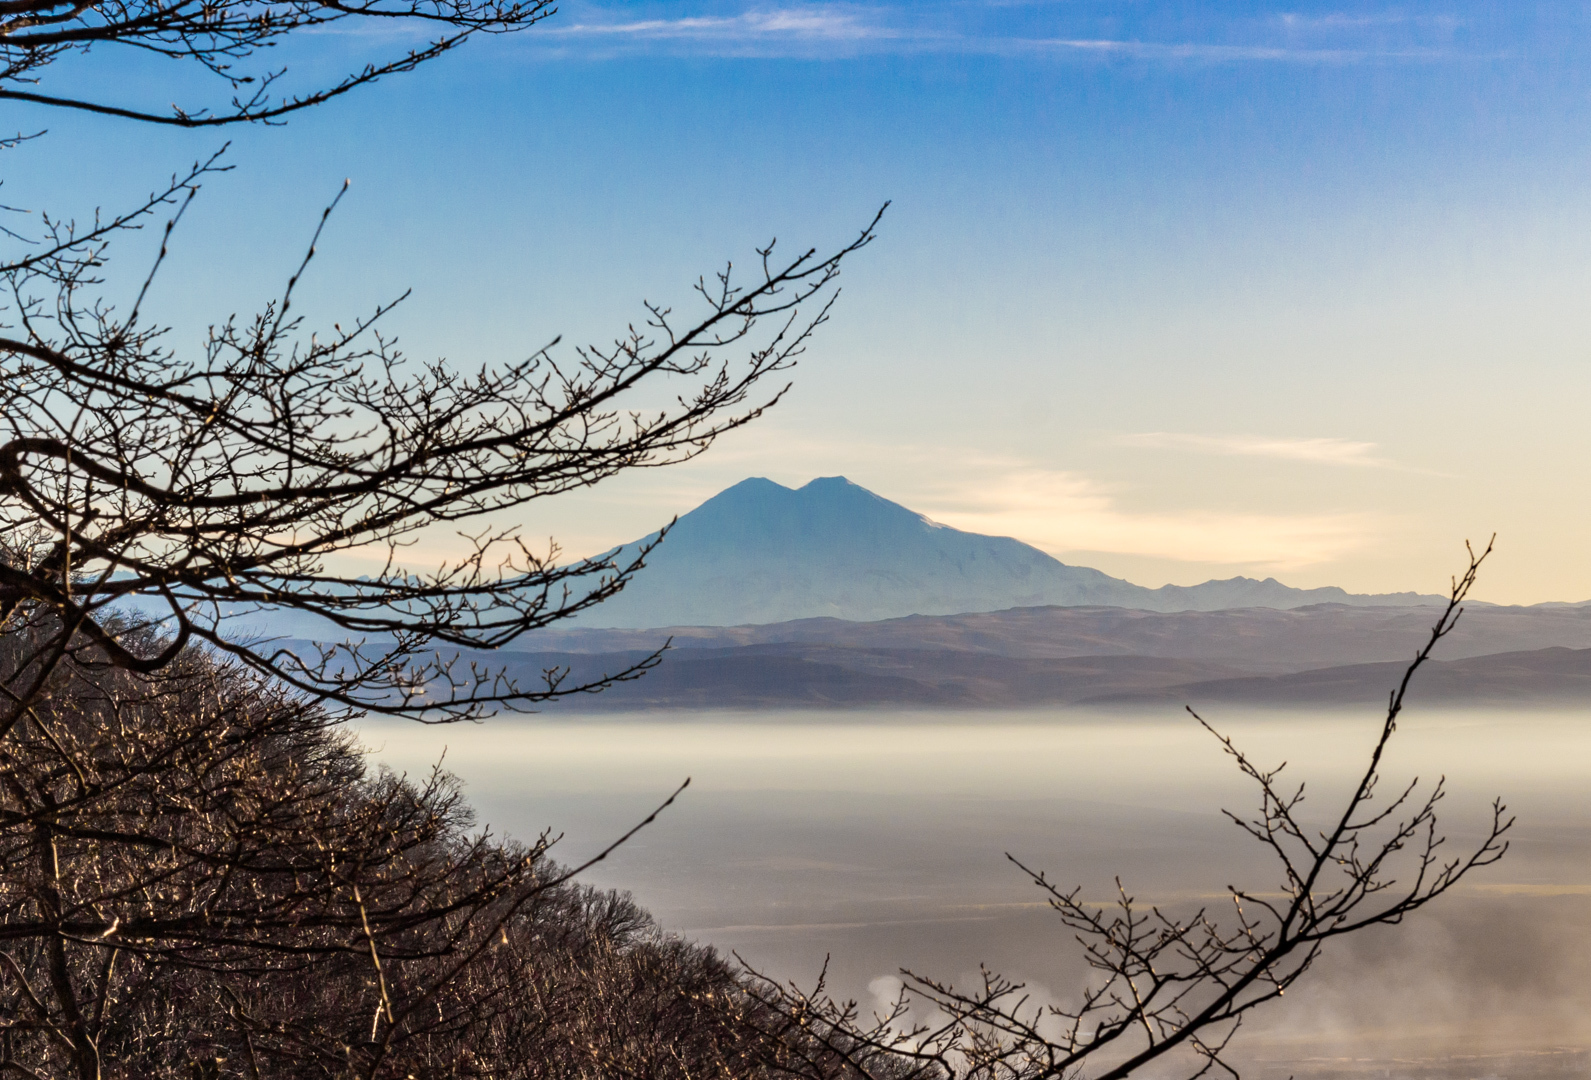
1255	640
1541	677
760	552
796	676
1327	654
817	676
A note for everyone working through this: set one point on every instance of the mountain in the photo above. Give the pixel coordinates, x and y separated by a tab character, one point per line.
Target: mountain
760	552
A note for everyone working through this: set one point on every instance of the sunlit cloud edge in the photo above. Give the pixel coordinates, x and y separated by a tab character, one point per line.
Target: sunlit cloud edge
1346	453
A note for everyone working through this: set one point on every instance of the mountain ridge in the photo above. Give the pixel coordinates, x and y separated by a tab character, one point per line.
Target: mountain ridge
1257	639
759	552
794	676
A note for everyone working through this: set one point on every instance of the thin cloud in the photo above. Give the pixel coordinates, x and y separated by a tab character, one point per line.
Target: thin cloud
1217	53
1063	512
1069	514
848	29
802	31
1342	452
1340	20
793	24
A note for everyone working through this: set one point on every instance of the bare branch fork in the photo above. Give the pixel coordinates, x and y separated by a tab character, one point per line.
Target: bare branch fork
1169	988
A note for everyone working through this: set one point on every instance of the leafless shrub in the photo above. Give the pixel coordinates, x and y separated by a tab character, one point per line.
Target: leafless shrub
201	878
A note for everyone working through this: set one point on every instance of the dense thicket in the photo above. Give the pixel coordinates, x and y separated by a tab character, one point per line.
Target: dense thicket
201	877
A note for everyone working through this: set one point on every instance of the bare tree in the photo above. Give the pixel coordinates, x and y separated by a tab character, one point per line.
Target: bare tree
226	482
1169	988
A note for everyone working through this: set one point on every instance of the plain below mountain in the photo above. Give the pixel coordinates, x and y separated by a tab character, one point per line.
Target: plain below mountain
807	676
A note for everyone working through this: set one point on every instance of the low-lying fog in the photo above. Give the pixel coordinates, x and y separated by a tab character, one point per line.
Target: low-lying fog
879	839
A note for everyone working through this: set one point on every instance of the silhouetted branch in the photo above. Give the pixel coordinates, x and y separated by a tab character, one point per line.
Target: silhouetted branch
218	35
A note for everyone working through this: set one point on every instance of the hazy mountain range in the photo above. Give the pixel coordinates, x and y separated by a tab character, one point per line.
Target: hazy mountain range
822	676
1330	654
829	596
1259	640
760	552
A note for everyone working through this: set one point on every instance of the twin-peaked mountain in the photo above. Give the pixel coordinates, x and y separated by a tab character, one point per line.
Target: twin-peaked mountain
760	552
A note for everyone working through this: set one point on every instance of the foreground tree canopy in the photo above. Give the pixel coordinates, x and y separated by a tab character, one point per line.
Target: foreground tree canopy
198	875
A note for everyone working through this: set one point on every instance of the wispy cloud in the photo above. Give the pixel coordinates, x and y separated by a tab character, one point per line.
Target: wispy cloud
1218	52
792	31
1064	512
791	24
852	28
1067	513
1360	20
1345	452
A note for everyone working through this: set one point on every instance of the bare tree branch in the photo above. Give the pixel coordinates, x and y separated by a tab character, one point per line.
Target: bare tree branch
1173	989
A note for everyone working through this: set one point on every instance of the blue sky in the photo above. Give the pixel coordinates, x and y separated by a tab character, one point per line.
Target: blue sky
1175	290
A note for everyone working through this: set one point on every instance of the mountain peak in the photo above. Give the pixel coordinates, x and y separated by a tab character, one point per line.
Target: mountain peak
753	487
823	484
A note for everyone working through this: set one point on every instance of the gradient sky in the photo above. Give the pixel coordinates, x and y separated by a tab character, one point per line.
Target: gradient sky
1177	290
